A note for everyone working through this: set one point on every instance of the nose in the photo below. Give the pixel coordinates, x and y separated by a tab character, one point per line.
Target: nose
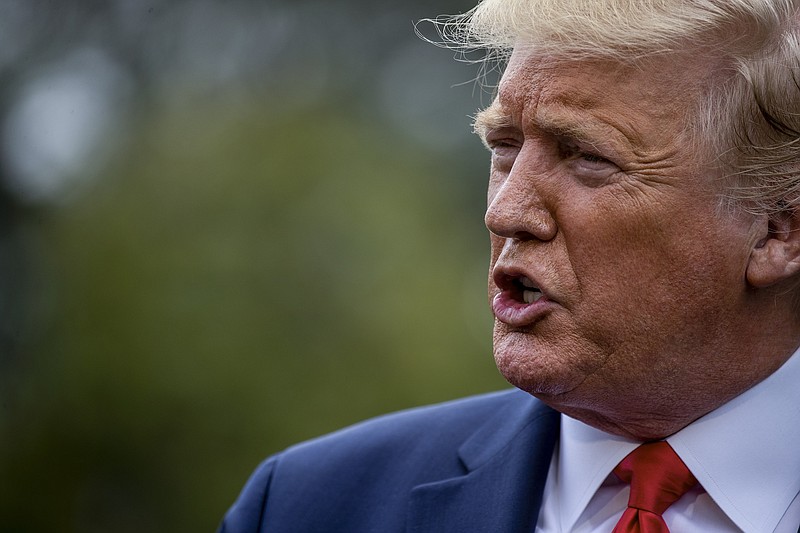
517	210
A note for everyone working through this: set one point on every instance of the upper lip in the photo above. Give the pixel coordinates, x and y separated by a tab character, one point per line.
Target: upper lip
515	279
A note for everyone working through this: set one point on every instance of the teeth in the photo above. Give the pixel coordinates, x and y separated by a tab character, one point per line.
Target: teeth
527	283
531	296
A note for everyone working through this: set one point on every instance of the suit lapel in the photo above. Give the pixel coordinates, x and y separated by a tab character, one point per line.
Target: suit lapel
507	462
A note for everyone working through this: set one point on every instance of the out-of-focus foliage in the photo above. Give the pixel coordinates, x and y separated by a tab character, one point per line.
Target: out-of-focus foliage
256	256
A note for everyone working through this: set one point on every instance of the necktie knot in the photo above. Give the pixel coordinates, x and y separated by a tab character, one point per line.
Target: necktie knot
658	478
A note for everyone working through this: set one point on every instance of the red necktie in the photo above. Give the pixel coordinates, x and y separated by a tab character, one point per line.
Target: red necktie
658	478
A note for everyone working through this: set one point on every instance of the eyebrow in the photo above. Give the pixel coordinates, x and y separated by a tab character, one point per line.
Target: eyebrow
495	117
491	118
587	132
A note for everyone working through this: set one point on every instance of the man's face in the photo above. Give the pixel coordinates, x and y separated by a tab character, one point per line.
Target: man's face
617	278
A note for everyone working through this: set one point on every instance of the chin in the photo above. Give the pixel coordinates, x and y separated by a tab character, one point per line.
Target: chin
636	427
533	366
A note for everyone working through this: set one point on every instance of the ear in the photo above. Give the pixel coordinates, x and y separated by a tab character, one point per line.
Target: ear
776	255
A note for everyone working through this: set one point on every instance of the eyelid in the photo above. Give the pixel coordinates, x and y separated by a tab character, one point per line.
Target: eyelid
578	144
585	148
496	136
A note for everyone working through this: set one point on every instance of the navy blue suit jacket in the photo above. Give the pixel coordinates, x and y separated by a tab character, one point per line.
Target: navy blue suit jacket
477	464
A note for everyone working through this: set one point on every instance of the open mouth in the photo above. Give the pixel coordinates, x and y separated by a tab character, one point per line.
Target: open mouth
524	290
518	288
520	302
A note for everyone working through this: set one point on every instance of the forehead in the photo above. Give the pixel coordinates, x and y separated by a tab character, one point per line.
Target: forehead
673	75
659	94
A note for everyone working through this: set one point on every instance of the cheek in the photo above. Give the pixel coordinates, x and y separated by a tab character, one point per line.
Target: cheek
618	254
638	276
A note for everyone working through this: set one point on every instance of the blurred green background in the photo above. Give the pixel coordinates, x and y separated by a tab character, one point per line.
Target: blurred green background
225	226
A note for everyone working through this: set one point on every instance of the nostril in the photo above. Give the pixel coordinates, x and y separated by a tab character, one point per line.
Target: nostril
523	236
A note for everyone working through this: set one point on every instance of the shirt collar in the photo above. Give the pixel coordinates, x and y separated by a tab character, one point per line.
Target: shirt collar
743	453
586	456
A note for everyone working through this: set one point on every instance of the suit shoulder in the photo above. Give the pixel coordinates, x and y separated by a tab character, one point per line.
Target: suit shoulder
412	445
359	478
440	423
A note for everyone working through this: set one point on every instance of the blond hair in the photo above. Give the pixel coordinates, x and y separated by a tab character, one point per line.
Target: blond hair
750	116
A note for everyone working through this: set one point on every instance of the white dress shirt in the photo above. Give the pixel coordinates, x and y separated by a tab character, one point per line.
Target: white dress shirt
745	455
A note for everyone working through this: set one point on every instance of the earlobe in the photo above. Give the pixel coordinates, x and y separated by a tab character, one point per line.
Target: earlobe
776	254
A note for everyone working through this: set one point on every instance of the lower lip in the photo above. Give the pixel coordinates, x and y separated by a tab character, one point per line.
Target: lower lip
518	314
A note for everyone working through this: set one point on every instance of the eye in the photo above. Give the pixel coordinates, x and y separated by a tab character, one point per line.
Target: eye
586	163
593	159
504	147
501	139
592	163
574	152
